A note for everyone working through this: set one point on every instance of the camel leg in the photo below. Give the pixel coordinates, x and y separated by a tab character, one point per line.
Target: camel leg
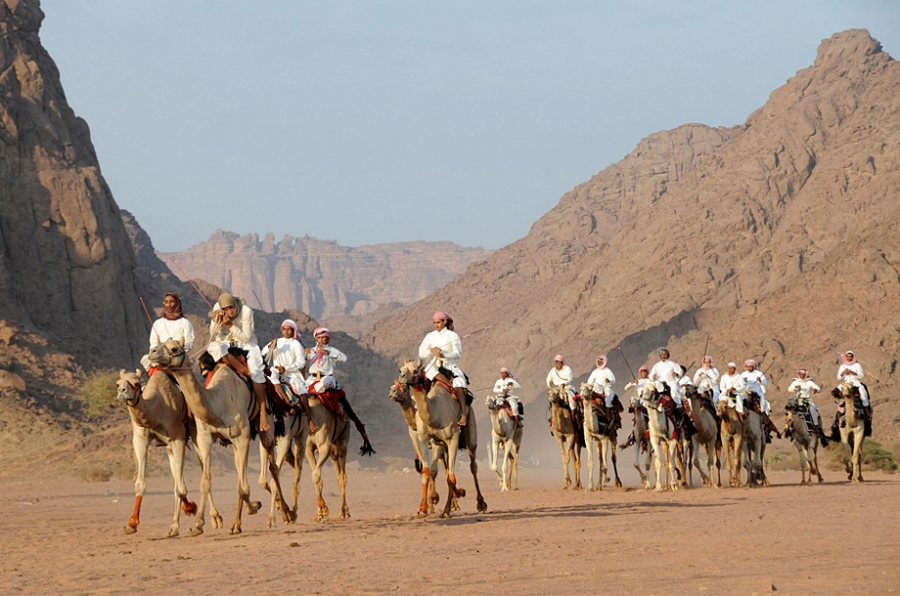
564	453
674	461
140	440
297	451
317	462
590	444
576	462
699	463
615	465
645	481
858	438
472	448
494	455
275	456
515	465
453	491
175	451
340	468
241	448
203	442
804	465
815	460
657	463
504	470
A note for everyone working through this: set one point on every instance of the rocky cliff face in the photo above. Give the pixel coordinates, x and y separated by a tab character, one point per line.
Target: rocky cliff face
331	282
65	260
773	239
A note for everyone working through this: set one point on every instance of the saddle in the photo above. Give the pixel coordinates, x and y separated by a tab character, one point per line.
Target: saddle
669	409
331	399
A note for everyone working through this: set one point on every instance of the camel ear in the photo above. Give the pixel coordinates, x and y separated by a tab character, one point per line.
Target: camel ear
419	363
138	372
121	372
181	343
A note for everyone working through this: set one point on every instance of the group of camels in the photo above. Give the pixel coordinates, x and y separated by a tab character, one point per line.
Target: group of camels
224	407
717	436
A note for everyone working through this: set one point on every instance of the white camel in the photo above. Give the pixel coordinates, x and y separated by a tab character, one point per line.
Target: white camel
662	437
505	434
640	440
223	410
754	443
330	440
732	435
157	411
706	438
437	414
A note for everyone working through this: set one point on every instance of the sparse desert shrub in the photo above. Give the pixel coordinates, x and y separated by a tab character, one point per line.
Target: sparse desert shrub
875	456
98	394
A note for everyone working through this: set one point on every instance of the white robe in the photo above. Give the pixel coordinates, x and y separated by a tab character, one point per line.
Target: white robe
757	382
601	381
668	372
243	334
563	376
807	389
288	353
164	329
450	345
502	392
712	375
856	373
734	382
323	363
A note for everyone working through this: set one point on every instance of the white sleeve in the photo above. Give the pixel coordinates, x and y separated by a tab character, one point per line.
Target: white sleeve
188	335
611	376
763	380
246	331
154	335
550	378
425	349
454	350
498	386
859	368
336	354
794	384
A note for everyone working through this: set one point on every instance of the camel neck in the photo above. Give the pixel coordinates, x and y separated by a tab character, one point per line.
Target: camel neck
196	396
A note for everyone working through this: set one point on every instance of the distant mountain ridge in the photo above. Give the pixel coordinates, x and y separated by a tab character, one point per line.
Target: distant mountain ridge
774	239
347	287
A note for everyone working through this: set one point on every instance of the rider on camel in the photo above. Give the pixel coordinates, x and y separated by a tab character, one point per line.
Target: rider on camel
503	391
561	374
444	348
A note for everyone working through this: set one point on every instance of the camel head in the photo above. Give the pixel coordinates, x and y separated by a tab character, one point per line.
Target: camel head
168	355
411	373
586	390
558	394
691	392
846	390
398	393
651	393
794	402
128	387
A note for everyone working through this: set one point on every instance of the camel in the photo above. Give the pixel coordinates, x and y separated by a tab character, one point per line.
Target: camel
437	415
732	436
806	441
640	438
852	424
754	443
222	410
662	437
157	411
504	433
400	395
568	435
288	446
599	433
331	439
706	439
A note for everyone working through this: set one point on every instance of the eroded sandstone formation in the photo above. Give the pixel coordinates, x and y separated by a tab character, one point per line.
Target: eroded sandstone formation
65	259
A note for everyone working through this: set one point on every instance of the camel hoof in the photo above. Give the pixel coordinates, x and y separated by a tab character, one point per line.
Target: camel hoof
129	530
235	531
618	484
173	532
423	514
270	524
445	515
217	521
195	531
658	489
482	506
345	515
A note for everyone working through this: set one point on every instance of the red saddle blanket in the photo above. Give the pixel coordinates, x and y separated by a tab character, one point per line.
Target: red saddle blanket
331	400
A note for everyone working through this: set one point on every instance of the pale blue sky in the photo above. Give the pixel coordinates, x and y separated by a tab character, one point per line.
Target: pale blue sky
370	122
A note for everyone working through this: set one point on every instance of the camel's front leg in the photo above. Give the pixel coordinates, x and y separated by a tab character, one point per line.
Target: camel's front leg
472	447
505	480
175	451
699	463
673	462
858	438
615	465
276	452
564	453
576	462
317	463
638	443
140	440
657	462
515	465
340	468
241	447
452	490
814	460
297	452
494	455
203	442
590	444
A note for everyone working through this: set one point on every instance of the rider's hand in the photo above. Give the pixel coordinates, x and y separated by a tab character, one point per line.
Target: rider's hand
436	352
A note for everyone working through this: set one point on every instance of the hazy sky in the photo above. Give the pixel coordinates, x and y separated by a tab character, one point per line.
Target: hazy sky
371	122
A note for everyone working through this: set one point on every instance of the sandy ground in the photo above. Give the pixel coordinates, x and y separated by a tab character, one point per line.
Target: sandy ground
835	538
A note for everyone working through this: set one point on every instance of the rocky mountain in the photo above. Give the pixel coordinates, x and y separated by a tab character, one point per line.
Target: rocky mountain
65	260
348	287
772	239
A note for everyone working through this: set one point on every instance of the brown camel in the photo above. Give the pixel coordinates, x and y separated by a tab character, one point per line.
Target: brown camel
505	434
437	414
640	439
706	439
852	425
755	443
662	437
599	432
806	440
732	436
157	411
289	446
222	410
569	436
330	440
401	395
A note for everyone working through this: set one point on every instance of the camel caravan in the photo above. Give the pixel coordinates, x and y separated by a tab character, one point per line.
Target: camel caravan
286	395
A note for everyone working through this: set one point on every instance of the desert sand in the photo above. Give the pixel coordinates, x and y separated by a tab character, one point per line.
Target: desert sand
835	538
